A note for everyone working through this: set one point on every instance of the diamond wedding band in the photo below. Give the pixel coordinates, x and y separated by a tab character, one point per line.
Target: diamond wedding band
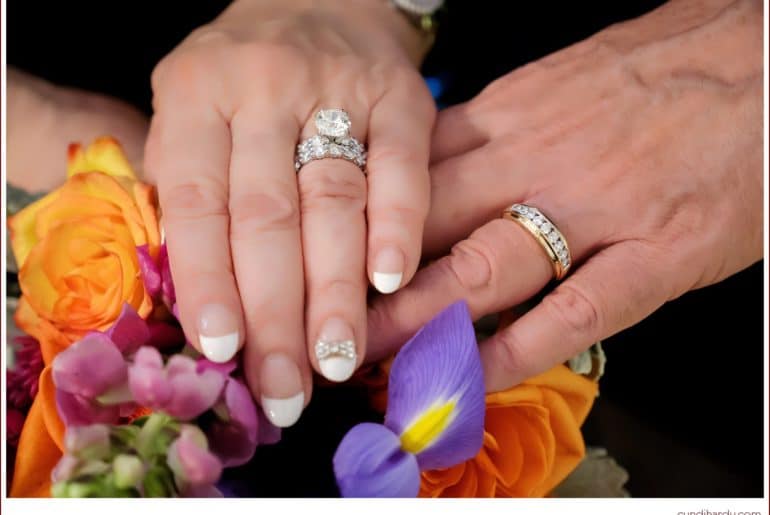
332	141
546	233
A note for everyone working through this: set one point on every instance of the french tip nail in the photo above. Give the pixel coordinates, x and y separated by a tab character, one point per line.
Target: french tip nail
386	282
337	368
283	412
219	348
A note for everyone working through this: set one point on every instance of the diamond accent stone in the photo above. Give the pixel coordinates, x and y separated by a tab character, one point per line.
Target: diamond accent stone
344	349
332	123
320	147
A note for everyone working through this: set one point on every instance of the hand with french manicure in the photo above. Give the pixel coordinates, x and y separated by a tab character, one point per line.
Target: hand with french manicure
264	258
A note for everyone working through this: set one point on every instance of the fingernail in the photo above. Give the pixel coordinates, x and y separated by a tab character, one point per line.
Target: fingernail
281	385
336	350
388	270
218	333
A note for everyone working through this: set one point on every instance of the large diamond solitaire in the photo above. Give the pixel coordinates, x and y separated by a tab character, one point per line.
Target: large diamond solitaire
332	123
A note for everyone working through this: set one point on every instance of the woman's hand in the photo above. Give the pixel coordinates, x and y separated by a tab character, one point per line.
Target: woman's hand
44	118
643	145
264	256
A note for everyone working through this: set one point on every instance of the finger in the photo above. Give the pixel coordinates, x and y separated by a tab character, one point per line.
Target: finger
456	132
267	254
188	152
613	290
500	265
471	189
333	200
399	185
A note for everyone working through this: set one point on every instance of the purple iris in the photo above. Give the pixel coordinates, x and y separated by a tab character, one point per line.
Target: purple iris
435	415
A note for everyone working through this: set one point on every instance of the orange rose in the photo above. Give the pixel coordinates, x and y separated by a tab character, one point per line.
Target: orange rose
76	248
532	440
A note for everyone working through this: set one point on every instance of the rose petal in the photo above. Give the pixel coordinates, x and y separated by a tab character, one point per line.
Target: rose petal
89	367
130	331
436	391
369	462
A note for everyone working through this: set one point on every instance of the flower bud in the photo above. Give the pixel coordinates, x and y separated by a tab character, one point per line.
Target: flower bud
128	470
88	442
190	460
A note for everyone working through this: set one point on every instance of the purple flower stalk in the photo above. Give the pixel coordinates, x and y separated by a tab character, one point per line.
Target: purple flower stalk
435	414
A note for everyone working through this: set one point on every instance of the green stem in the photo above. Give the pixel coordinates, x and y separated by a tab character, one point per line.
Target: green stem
149	432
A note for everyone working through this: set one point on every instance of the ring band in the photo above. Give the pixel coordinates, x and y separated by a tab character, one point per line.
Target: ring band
332	141
546	233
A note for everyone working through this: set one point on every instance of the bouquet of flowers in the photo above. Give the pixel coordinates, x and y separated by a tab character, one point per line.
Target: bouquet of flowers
107	399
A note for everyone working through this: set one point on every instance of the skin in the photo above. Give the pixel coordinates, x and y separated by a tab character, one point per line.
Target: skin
643	144
287	253
43	119
660	118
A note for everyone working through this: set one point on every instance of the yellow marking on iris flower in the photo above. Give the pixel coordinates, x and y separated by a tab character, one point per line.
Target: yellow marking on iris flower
428	427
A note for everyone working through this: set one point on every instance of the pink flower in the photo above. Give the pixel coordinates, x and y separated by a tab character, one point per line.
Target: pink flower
177	388
156	274
90	367
237	428
190	460
90	378
23	379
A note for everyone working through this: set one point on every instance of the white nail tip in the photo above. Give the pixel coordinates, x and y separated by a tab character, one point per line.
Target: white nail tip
387	283
337	368
219	348
283	412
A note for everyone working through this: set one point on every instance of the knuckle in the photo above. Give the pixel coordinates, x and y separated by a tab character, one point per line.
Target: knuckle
391	154
472	263
262	212
575	310
508	354
341	288
332	186
270	60
195	199
396	216
180	70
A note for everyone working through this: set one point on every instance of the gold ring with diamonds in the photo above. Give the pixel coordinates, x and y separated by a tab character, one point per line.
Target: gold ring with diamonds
546	233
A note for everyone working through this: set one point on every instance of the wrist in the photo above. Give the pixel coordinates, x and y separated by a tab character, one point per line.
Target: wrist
714	40
375	26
